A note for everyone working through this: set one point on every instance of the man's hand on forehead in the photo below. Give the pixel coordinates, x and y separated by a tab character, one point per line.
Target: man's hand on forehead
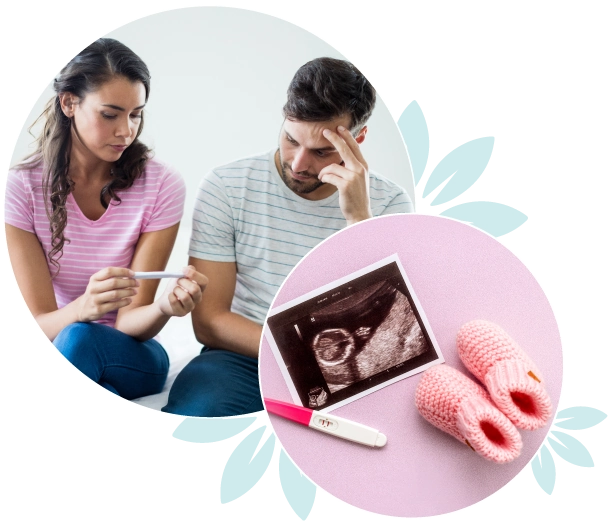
351	178
345	145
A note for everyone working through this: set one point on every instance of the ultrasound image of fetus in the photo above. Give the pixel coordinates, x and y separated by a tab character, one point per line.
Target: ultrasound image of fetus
368	332
333	346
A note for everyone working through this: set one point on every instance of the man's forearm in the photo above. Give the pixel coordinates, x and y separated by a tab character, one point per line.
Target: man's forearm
230	331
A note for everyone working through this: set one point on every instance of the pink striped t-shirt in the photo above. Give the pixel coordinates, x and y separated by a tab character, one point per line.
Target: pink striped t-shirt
154	202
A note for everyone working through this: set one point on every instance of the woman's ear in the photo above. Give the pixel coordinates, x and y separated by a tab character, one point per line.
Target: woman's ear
68	101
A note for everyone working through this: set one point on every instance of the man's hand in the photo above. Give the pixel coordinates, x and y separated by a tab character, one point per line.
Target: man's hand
351	177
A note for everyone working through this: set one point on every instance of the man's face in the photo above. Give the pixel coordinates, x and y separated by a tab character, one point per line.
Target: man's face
304	152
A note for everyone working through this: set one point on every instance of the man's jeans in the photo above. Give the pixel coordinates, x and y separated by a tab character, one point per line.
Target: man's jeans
216	383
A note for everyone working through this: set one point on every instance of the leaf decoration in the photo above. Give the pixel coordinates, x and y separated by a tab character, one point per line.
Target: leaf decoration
205	430
416	137
571	450
494	218
544	470
463	165
580	417
242	470
300	491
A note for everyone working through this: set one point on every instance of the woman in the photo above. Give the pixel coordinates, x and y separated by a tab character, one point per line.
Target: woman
88	209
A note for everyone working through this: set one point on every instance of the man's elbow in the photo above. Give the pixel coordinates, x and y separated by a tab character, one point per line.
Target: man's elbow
205	329
201	331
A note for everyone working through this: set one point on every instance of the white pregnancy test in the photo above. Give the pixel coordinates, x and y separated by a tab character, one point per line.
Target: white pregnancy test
330	424
158	275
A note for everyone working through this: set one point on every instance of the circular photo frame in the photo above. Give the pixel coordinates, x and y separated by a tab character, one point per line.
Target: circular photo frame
451	273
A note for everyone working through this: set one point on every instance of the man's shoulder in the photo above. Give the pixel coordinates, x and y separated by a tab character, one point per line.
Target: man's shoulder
388	197
379	183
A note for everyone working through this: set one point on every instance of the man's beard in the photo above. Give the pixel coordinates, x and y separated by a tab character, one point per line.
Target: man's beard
299	187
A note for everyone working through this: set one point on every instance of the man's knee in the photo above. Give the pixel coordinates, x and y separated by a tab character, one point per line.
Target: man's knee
213	385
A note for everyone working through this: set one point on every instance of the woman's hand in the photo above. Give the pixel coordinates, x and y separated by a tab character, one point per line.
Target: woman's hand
182	295
109	289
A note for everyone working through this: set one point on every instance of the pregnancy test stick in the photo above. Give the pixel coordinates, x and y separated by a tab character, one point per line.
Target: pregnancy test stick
158	275
330	424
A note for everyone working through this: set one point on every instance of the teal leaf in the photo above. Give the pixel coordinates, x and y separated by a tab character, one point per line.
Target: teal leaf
300	491
204	430
544	470
494	218
464	165
571	450
242	470
580	417
416	136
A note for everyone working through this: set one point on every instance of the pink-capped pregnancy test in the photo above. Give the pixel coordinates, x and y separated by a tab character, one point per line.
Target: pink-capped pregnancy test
330	424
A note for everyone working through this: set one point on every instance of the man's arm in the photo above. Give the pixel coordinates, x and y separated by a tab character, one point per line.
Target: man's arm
213	322
400	204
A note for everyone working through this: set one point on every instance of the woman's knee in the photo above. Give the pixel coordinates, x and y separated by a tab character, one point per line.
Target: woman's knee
76	340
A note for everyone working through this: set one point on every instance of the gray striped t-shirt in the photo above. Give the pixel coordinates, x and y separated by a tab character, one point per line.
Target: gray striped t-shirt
245	213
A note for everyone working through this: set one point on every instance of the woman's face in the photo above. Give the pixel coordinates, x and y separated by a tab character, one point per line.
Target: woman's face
106	121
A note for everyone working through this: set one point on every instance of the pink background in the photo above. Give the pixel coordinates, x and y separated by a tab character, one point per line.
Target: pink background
459	274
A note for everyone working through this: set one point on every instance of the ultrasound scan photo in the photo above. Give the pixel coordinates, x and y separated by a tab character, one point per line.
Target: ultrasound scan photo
352	337
366	333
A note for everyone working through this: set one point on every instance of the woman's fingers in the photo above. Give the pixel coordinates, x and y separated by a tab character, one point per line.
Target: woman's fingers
114	284
193	284
188	292
191	273
98	310
184	298
114	296
192	288
112	278
112	272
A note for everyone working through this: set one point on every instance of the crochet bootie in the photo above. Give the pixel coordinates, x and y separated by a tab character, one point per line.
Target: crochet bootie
462	408
513	381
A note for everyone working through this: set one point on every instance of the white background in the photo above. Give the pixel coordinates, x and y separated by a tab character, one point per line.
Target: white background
219	82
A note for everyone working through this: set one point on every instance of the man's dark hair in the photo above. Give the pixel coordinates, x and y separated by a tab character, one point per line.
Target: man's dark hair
326	88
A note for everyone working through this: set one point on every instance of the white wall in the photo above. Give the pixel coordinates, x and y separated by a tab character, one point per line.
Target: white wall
219	79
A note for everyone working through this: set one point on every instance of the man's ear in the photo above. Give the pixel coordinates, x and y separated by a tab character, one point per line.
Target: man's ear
361	136
68	101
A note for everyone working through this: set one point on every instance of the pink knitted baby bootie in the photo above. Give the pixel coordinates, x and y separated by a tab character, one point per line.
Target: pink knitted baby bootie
462	408
513	381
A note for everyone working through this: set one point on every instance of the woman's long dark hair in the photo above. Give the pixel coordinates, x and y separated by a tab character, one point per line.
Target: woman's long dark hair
95	65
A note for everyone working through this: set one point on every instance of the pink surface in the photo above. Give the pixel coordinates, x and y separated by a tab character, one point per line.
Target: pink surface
459	274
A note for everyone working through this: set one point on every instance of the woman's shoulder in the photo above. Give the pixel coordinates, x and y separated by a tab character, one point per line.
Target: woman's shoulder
163	181
158	172
26	173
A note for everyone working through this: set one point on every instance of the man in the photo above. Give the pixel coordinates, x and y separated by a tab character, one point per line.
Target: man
255	218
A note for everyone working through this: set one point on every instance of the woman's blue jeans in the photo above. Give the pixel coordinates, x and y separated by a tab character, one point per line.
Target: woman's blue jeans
120	363
216	383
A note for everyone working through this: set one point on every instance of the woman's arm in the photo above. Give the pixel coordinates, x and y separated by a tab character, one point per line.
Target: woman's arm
214	324
143	318
108	289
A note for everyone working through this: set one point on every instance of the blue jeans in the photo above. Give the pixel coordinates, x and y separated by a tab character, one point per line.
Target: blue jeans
126	366
216	383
